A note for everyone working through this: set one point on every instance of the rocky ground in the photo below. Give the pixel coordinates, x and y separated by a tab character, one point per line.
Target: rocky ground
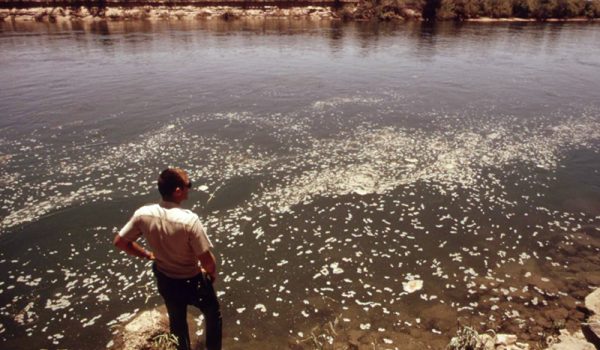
116	13
53	14
555	313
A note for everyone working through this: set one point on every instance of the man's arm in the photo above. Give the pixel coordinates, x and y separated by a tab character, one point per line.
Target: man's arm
209	264
132	248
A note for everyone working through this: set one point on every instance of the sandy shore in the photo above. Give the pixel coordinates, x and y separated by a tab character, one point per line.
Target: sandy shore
516	19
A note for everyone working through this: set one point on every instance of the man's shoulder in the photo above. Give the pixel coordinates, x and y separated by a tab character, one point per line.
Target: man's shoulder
185	214
148	209
182	216
174	215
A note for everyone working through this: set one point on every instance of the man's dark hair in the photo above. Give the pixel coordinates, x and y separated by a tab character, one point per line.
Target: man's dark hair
169	180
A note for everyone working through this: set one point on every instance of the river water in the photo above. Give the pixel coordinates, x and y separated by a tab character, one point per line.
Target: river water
347	162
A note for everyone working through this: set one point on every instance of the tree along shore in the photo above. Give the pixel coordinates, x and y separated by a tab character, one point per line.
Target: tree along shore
459	10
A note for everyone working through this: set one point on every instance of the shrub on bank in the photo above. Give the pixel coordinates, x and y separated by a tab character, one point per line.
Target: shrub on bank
524	8
592	9
539	9
543	9
447	10
390	9
385	9
465	9
569	8
497	8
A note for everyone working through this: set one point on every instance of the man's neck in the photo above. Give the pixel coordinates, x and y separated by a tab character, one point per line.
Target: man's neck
170	203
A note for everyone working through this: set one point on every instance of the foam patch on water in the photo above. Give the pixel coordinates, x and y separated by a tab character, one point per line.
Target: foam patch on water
363	159
41	207
381	159
104	172
339	101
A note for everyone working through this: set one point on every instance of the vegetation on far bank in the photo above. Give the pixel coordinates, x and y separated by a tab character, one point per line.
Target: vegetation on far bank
473	9
538	9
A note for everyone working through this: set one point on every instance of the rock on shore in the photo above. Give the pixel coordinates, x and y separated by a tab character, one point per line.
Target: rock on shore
53	14
142	331
571	341
588	338
591	328
139	332
117	13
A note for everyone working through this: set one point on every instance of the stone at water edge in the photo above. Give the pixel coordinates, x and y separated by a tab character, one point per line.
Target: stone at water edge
146	322
506	339
486	342
509	342
499	342
136	334
592	302
574	341
591	331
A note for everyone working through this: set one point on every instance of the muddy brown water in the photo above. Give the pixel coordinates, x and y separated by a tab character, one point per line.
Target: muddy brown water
345	160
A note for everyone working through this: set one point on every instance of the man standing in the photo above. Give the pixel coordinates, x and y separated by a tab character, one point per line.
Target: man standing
179	242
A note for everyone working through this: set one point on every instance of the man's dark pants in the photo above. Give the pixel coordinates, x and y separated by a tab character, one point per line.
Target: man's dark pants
197	291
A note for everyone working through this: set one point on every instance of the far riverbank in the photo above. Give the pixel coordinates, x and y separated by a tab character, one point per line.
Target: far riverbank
360	10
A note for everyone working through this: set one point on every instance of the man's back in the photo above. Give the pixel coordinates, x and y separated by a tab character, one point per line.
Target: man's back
175	235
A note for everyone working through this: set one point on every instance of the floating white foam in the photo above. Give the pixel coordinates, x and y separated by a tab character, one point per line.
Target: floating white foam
412	286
